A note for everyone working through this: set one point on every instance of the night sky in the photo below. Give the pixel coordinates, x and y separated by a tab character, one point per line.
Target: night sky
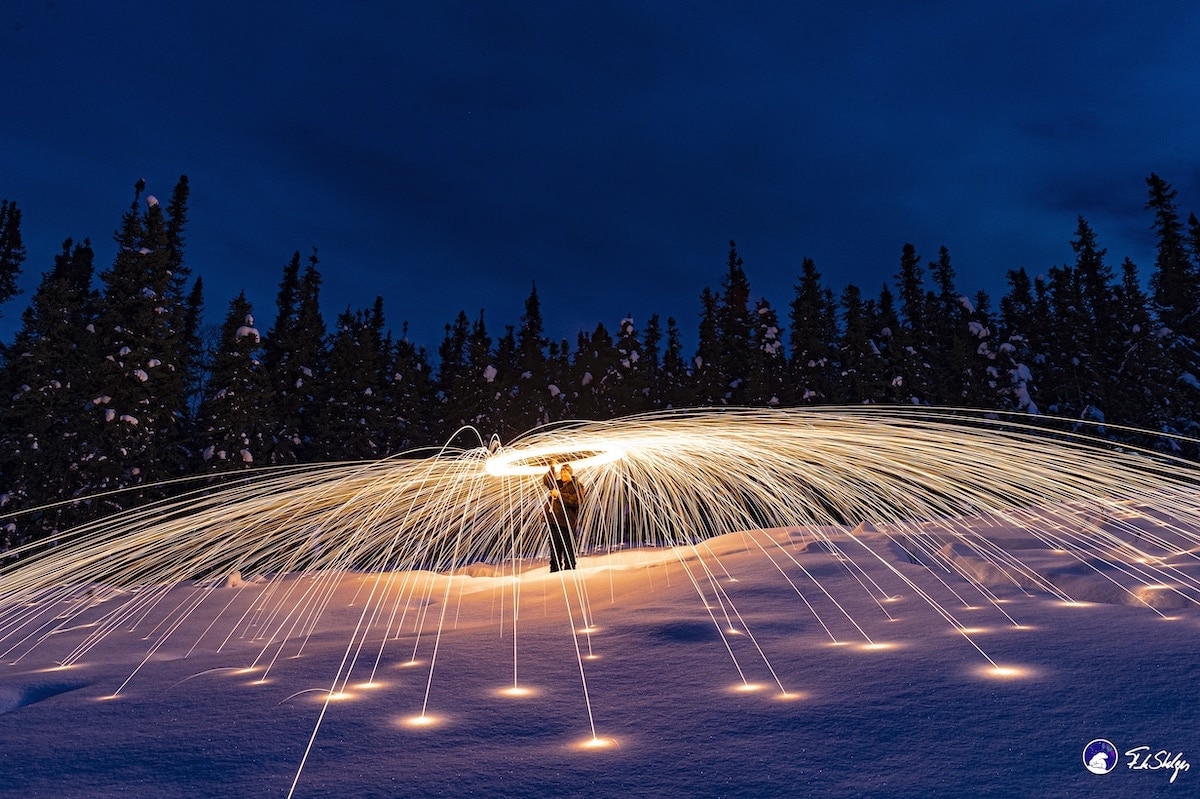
448	155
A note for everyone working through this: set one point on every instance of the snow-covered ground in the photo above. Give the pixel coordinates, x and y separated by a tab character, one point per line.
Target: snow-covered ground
796	701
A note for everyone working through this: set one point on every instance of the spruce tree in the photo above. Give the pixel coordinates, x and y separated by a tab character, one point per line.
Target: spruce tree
529	406
652	344
812	339
909	345
347	416
858	362
410	397
142	379
1021	321
193	355
735	331
502	375
561	404
1176	287
451	384
233	428
676	387
631	390
953	343
481	393
977	373
44	388
1175	281
706	385
596	375
295	356
1194	241
12	251
769	364
1100	336
286	309
1060	371
1142	381
889	344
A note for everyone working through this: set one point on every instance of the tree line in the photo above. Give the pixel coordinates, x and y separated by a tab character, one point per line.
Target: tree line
112	385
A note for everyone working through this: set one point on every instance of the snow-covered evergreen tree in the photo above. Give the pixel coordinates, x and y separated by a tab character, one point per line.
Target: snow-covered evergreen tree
1176	291
651	361
631	389
233	426
141	381
812	340
888	345
1176	280
676	386
910	340
530	400
1140	394
769	366
410	397
295	358
954	344
857	358
706	384
348	418
44	397
596	375
450	393
735	333
1021	320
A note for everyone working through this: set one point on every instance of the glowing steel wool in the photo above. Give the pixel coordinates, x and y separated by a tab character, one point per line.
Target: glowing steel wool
926	483
670	478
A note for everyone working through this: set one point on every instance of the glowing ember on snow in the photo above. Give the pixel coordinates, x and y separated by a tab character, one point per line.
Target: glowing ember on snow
420	722
1005	672
517	692
597	743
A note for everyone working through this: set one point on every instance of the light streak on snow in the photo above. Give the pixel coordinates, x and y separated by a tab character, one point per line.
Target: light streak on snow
899	499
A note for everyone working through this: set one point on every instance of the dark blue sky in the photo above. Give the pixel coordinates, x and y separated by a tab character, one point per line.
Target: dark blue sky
447	155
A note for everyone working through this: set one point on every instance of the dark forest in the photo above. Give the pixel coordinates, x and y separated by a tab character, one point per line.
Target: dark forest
113	384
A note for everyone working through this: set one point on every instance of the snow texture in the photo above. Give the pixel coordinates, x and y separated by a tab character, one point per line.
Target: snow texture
917	715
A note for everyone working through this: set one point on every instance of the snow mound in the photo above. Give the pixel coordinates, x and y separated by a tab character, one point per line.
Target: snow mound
968	562
16	697
482	570
234	580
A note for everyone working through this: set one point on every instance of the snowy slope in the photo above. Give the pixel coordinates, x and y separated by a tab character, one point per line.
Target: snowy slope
799	701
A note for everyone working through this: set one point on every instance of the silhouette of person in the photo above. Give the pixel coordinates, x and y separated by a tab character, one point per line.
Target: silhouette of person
562	515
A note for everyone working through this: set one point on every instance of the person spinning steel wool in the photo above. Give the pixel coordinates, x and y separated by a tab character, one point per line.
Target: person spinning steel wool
562	515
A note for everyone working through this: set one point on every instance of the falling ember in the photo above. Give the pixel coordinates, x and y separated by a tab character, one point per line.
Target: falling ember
897	500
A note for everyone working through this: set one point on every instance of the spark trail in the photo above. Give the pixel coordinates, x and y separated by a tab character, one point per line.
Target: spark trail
860	484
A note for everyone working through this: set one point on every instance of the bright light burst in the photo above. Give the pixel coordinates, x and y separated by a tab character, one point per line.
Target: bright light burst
840	480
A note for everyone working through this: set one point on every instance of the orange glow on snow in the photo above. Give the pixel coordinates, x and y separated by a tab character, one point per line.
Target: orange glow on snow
747	687
1005	672
597	743
421	722
517	692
